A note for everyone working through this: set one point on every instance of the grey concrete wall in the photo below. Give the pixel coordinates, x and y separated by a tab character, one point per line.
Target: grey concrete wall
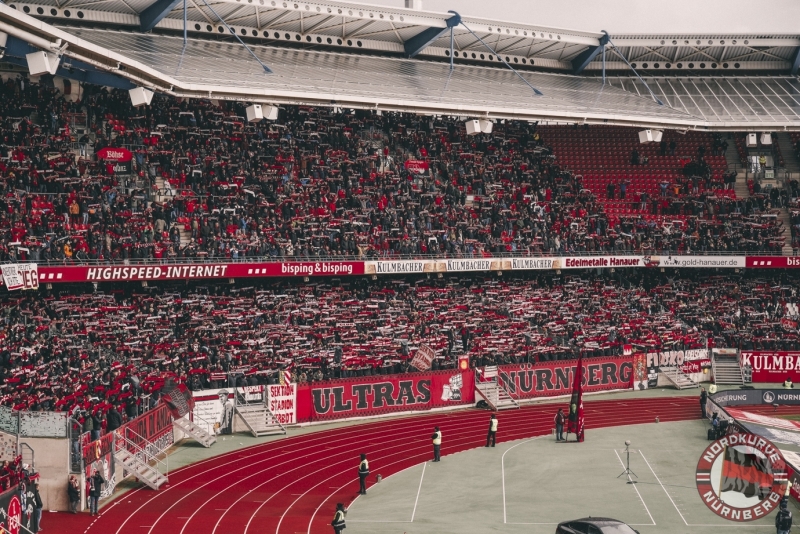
51	457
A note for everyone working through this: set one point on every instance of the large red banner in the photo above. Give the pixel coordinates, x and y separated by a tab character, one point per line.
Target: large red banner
149	426
555	378
375	395
184	271
772	366
141	431
772	262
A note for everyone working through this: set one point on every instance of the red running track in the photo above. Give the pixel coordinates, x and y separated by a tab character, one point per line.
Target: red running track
292	485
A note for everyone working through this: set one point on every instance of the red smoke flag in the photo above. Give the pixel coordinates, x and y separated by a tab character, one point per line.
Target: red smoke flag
575	420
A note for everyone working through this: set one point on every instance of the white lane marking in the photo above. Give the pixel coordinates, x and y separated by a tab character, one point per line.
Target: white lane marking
635	488
662	487
503	470
418	490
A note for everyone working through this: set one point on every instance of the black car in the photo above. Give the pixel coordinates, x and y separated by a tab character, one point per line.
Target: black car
594	525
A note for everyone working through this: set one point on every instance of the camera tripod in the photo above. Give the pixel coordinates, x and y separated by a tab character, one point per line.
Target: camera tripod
628	471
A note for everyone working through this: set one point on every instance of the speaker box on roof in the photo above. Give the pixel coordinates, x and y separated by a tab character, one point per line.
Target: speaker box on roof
254	113
270	113
473	127
766	139
752	140
42	63
140	96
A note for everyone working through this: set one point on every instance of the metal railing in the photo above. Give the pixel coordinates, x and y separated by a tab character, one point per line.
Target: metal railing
75	441
143	453
28	455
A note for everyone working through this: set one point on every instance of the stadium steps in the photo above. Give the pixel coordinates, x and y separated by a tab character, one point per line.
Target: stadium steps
259	419
786	220
129	456
495	395
732	157
677	377
740	186
197	432
162	186
732	153
727	371
787	151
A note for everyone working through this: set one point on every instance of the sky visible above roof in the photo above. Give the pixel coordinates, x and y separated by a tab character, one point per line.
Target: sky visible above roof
619	17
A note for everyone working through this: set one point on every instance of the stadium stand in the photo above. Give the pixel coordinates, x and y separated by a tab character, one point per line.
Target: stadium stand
84	352
322	184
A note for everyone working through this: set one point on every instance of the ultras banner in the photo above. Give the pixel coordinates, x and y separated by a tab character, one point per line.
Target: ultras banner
20	276
555	378
772	366
385	394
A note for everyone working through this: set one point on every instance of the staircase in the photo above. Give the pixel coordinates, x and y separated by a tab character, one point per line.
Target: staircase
732	153
678	378
197	432
260	420
787	151
786	223
740	186
732	156
136	461
495	395
726	370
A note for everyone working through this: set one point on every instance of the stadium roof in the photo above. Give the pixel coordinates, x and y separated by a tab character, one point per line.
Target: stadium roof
350	55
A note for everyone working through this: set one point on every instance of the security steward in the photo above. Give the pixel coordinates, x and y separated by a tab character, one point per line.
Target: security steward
490	436
363	472
783	521
338	519
787	384
437	443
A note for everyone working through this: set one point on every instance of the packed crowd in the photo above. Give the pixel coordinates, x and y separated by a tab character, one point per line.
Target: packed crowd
322	183
98	353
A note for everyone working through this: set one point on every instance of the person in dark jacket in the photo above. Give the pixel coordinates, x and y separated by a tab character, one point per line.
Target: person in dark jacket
113	419
37	508
703	399
363	472
96	482
74	494
559	421
783	521
338	519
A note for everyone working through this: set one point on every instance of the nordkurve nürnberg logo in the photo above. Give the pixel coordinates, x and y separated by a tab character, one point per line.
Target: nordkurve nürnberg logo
741	477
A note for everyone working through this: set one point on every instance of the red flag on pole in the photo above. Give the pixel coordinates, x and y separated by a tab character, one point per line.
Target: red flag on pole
575	420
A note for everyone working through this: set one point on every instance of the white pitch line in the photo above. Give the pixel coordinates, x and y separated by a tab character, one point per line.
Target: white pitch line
663	488
419	489
636	489
503	471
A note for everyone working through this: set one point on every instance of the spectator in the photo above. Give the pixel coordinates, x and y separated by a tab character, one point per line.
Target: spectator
96	482
37	508
73	494
113	419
